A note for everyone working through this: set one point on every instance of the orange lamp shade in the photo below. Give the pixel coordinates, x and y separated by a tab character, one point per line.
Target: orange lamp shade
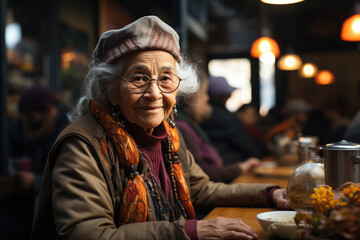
289	62
264	45
308	70
324	77
351	29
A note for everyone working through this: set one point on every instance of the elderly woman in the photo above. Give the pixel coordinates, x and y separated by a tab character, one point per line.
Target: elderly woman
120	170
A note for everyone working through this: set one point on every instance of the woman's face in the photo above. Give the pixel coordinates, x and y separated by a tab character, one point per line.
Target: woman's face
150	108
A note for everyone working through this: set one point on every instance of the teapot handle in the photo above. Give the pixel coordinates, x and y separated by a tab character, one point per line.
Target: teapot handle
319	148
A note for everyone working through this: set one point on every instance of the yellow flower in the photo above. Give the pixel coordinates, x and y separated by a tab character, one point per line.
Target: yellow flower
332	216
323	199
351	194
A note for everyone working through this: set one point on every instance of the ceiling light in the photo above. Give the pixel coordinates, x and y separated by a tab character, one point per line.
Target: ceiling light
289	62
279	2
350	30
308	70
263	45
324	77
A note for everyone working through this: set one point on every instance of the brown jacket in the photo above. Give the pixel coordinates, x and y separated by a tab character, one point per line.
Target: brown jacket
82	187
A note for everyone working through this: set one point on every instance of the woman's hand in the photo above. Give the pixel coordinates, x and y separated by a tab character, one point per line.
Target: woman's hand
224	228
250	165
280	199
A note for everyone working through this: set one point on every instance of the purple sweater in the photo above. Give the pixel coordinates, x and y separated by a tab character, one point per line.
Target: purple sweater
150	147
206	155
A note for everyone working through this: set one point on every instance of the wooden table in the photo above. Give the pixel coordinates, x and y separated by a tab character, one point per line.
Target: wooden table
248	215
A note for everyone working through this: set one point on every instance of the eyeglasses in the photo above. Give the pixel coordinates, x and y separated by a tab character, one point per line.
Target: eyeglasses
139	83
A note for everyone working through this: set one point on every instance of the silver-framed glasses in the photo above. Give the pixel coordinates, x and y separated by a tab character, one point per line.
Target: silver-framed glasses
140	83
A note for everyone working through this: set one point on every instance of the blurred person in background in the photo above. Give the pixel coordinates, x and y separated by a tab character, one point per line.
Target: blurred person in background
296	112
352	133
224	128
249	116
334	112
316	125
191	114
283	137
31	135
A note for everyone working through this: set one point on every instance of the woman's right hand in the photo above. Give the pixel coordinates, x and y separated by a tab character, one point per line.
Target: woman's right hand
224	228
250	165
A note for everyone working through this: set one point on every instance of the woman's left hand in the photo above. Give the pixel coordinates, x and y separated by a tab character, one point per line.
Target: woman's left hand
280	199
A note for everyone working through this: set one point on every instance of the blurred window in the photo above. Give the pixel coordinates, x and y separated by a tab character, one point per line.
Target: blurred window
267	85
237	71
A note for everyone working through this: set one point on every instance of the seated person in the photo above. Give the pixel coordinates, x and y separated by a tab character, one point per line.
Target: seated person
334	112
224	128
352	133
296	115
42	118
190	115
249	116
31	135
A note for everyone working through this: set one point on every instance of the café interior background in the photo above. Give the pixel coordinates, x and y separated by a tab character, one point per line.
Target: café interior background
50	42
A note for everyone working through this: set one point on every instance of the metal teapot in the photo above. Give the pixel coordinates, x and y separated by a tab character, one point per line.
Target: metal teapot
341	163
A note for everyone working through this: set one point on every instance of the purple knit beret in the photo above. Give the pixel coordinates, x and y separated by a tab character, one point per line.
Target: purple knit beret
219	86
36	98
146	33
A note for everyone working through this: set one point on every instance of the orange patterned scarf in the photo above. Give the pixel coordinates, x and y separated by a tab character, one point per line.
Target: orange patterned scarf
134	203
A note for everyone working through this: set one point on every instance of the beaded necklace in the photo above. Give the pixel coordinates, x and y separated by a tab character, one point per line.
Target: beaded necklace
152	184
172	157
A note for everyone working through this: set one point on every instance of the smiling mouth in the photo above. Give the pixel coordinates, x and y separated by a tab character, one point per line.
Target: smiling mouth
151	108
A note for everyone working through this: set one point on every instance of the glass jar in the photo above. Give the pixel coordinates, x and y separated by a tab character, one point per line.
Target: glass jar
303	180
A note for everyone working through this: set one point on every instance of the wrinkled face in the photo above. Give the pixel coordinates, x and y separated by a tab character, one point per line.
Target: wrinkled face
150	108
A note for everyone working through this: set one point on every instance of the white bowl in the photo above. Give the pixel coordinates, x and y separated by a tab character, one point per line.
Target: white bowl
267	218
282	231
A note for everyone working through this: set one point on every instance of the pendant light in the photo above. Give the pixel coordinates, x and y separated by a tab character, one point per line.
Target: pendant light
289	62
308	70
281	2
324	77
350	30
264	44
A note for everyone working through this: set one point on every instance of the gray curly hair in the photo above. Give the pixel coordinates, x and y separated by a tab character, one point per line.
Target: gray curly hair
101	77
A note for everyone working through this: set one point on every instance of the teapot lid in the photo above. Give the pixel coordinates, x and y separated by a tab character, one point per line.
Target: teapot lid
342	145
